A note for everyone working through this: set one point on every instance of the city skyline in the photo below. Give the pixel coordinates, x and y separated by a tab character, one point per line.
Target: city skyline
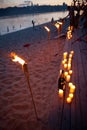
12	3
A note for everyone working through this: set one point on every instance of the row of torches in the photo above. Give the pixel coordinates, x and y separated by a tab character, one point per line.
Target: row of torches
58	25
67	65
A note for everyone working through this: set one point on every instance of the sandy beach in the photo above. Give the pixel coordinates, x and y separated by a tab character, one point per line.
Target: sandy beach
43	57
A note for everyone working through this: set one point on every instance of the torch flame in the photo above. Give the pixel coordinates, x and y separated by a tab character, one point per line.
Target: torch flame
57	25
59	22
47	29
17	58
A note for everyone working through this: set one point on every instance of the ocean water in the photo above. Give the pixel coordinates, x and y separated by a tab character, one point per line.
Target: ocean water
16	23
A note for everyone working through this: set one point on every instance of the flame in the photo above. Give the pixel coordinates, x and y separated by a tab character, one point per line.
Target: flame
47	29
57	25
69	33
17	58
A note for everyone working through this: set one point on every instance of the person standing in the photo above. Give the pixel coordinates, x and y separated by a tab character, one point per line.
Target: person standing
33	24
61	81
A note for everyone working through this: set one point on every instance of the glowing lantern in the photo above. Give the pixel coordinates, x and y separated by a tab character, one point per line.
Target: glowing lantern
70	72
60	72
60	93
68	78
70	55
72	52
69	61
69	100
69	33
63	62
65	74
65	55
69	66
70	84
72	88
65	66
71	95
69	28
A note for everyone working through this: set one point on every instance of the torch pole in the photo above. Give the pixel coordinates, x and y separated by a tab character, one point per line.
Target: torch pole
48	35
25	68
49	46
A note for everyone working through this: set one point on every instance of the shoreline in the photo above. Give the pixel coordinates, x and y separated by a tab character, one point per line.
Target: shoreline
37	27
13	16
13	27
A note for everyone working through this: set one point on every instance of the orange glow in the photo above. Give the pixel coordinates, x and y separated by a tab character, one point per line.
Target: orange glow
72	88
69	100
47	29
70	28
57	25
60	93
65	74
68	78
69	33
72	52
69	66
17	58
60	71
69	60
70	84
65	66
64	61
70	72
65	55
71	95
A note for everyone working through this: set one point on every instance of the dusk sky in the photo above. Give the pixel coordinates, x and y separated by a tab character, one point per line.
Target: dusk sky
6	3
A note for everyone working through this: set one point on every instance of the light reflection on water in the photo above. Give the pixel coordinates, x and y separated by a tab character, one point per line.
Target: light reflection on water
12	24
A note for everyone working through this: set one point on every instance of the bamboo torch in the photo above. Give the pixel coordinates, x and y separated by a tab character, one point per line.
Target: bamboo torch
16	58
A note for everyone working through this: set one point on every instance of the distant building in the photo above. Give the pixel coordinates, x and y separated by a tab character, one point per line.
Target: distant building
26	3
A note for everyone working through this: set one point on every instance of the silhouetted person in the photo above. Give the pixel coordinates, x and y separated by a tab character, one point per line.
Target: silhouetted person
33	24
7	29
52	20
61	81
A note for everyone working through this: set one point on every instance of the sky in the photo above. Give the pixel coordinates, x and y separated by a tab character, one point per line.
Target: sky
6	3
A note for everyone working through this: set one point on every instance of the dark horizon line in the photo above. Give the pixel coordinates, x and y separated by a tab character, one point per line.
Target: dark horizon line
32	6
31	9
